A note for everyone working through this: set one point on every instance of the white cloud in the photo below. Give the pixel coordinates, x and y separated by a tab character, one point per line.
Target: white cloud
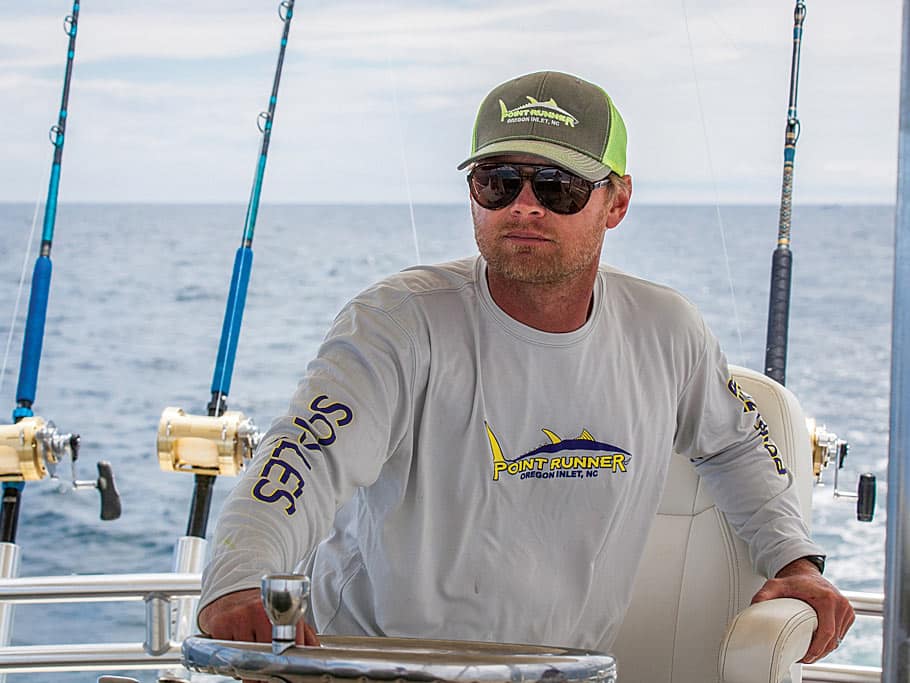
170	91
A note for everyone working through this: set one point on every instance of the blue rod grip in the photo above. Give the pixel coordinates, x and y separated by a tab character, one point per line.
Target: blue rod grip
34	330
233	317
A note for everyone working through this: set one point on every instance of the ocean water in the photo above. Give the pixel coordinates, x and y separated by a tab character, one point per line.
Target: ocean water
136	306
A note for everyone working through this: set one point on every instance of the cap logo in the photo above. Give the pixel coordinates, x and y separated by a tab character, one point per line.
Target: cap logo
547	112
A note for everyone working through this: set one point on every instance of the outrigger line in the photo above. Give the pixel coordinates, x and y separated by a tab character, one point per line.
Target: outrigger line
233	315
40	288
782	261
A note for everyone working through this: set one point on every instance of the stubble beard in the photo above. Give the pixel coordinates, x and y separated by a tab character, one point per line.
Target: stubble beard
552	263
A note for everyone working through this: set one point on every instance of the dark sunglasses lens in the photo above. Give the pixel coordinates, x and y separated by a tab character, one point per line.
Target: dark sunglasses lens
560	191
494	187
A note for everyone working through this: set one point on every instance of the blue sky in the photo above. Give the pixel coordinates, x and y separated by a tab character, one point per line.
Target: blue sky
378	97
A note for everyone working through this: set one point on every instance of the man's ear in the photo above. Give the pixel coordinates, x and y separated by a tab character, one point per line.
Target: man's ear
620	204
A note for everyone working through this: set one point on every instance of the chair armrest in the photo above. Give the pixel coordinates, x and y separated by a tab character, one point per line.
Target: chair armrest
765	640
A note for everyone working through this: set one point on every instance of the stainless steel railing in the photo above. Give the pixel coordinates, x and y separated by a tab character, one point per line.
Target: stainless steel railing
158	590
98	587
866	604
155	652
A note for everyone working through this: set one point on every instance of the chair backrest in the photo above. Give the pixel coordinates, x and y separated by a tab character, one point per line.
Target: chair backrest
696	575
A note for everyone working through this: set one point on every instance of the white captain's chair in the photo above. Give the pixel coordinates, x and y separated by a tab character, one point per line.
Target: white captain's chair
690	620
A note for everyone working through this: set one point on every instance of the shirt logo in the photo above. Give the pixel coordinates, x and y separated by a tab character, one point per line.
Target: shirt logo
759	425
534	111
282	479
581	457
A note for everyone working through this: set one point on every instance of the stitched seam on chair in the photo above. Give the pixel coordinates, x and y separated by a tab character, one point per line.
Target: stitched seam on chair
732	564
722	660
682	582
698	485
793	623
785	633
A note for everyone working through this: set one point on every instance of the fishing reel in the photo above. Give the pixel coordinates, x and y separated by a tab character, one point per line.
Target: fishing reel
215	446
826	447
32	449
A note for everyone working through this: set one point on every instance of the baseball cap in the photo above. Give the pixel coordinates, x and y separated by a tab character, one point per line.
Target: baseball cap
557	116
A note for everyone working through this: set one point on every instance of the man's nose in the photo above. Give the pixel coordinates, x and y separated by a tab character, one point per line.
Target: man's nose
526	203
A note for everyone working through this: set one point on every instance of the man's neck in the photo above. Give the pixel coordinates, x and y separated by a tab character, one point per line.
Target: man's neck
558	307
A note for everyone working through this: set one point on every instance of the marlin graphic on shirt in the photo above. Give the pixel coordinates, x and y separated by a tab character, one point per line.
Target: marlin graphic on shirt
581	453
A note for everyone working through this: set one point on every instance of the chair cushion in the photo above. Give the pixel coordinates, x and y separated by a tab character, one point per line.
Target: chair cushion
765	639
696	575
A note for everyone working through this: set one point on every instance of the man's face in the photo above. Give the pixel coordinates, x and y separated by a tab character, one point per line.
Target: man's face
526	242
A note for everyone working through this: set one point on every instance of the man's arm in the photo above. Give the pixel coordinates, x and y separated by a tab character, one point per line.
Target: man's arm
720	430
344	421
801	579
772	527
722	434
240	616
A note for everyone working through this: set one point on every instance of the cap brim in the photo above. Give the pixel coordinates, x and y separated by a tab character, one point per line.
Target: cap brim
578	163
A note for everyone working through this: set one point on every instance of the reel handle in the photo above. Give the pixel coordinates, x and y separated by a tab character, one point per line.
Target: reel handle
110	497
865	499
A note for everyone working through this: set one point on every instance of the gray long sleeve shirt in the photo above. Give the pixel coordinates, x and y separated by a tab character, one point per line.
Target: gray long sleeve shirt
466	476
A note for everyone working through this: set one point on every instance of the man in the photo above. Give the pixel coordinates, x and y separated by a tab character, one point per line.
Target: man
479	447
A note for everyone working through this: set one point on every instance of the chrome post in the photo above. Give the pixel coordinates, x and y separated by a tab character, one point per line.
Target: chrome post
189	558
157	624
284	597
896	651
9	569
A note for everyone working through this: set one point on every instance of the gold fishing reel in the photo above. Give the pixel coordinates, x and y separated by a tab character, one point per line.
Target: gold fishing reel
216	446
29	447
827	447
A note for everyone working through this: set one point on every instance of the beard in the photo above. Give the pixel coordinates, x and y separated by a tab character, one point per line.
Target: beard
545	264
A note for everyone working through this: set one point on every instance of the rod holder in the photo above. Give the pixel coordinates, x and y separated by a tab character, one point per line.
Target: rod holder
189	558
157	624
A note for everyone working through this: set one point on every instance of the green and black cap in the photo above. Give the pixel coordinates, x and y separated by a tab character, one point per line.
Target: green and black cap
553	115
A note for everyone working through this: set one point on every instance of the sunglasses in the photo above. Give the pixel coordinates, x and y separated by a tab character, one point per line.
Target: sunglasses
495	186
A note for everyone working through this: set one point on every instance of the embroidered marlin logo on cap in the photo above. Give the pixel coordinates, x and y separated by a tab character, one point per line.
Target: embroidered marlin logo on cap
558	458
535	110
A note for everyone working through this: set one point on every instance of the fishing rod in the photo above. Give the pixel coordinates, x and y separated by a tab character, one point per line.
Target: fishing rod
219	443
38	445
782	260
827	448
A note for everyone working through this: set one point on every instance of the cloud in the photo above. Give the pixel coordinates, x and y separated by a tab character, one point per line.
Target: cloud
702	86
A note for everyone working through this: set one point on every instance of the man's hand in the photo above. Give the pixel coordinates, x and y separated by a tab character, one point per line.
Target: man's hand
240	616
801	579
